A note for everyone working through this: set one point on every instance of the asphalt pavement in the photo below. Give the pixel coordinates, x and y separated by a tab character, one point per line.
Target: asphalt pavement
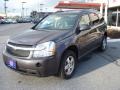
99	71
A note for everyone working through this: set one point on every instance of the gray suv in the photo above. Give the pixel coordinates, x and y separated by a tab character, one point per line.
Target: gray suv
56	43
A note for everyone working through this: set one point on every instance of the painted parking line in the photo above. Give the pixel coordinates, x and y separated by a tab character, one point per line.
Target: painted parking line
3	39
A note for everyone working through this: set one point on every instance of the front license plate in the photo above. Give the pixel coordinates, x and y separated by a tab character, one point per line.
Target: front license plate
12	64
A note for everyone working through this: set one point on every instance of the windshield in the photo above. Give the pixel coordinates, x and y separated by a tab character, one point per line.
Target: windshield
57	22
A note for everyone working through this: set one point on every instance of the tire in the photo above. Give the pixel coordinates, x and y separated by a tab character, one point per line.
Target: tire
68	64
103	45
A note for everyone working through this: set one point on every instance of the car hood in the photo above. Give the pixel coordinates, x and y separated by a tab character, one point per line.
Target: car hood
32	37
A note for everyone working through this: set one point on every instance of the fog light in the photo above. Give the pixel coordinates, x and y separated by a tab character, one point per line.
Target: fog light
38	64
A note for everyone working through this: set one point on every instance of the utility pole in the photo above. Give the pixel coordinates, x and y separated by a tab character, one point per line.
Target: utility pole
101	9
13	10
26	11
46	9
41	7
22	13
106	11
5	8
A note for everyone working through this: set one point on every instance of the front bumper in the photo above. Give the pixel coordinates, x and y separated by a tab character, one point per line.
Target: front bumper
42	67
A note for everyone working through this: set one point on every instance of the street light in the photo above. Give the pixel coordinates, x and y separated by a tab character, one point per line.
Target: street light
22	13
5	7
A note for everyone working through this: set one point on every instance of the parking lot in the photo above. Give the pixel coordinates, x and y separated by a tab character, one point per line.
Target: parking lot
98	71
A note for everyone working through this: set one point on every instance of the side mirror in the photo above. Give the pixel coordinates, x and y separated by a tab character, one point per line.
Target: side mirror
84	27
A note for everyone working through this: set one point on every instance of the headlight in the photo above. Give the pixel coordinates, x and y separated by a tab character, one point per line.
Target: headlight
6	45
44	49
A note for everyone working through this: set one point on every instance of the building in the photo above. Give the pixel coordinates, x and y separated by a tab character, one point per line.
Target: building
83	5
113	11
108	8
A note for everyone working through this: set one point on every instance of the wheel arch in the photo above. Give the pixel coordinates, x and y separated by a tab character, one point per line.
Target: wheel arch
73	48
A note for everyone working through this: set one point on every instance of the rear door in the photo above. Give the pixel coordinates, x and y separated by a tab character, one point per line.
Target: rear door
96	29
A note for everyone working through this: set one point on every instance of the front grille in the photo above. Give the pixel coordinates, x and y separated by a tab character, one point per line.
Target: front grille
19	45
17	52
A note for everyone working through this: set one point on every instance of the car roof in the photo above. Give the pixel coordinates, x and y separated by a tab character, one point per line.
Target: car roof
80	11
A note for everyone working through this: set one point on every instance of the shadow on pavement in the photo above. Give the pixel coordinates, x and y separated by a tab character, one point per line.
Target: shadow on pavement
98	59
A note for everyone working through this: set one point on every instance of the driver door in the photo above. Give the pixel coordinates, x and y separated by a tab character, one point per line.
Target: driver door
85	37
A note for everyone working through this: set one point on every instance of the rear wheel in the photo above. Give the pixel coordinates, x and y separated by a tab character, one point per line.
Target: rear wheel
68	64
103	44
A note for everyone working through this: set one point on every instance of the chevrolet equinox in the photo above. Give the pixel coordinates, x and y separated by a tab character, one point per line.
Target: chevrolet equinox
56	43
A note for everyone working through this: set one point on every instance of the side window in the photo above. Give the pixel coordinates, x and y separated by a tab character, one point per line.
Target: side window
94	18
84	20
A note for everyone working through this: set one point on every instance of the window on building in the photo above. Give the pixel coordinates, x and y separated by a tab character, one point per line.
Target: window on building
94	18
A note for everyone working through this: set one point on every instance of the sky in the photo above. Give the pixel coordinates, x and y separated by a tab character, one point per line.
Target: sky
14	6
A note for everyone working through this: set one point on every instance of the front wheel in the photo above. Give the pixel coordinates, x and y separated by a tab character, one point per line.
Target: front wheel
68	64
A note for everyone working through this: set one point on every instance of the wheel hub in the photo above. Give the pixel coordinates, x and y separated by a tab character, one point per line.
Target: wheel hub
104	44
69	65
